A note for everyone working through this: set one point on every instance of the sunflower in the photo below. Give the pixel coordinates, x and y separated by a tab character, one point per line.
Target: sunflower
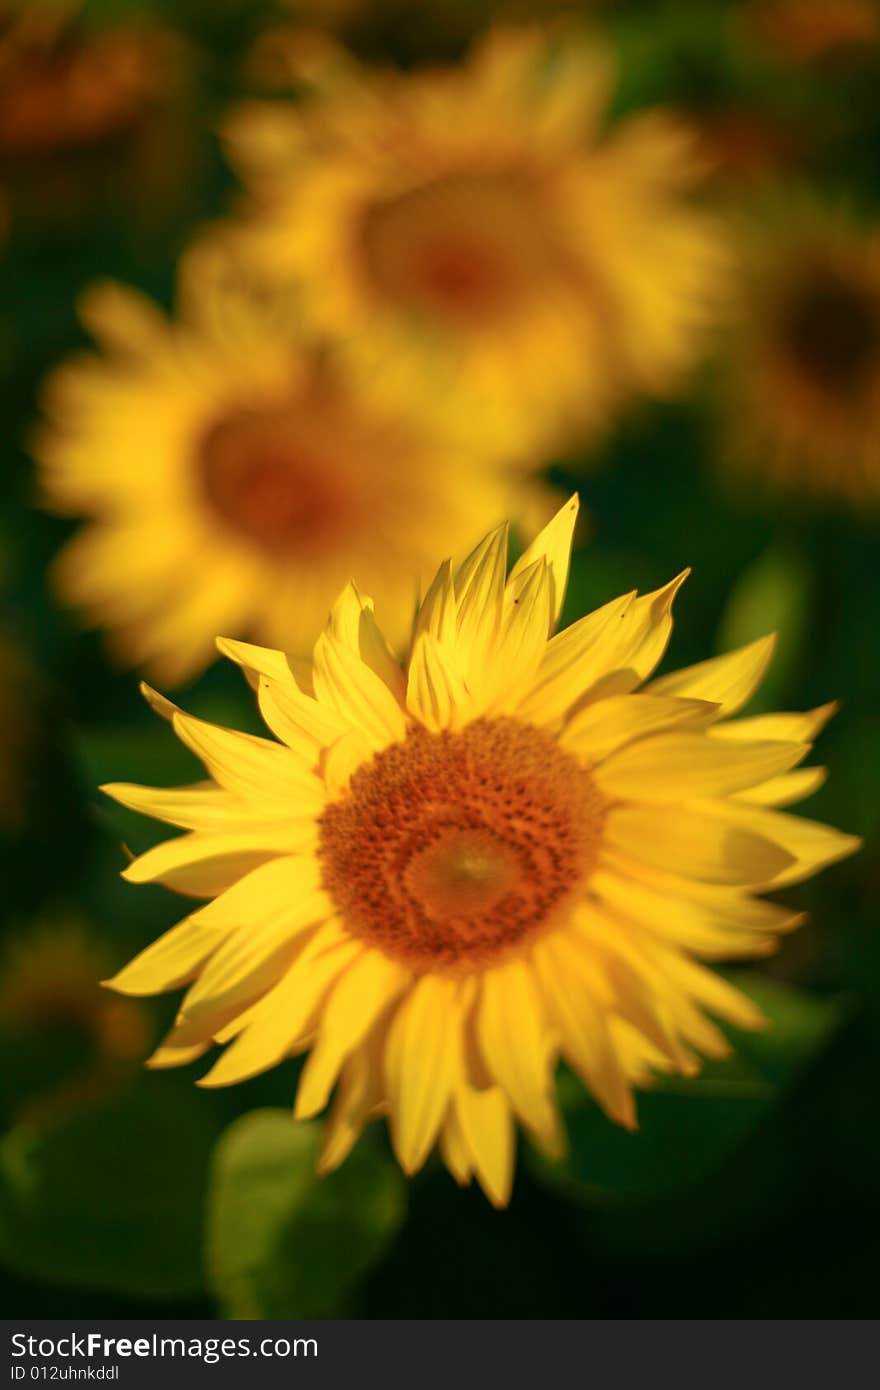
803	375
444	876
224	435
476	229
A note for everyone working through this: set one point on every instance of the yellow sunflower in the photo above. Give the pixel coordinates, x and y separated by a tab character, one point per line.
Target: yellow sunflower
477	229
223	436
446	875
803	376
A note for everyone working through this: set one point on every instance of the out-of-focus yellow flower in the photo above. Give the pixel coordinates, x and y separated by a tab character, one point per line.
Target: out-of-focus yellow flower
807	31
478	228
74	94
448	874
234	478
803	378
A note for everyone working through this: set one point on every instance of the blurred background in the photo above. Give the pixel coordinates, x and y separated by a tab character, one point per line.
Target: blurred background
751	1191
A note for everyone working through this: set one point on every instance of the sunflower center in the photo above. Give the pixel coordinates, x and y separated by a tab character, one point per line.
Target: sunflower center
833	333
467	249
271	478
449	850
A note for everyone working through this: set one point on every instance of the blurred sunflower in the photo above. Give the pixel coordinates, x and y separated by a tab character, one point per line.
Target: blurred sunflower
803	377
477	230
447	875
49	990
74	92
222	436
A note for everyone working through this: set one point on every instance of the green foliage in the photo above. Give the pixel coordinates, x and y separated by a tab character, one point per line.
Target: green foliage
282	1242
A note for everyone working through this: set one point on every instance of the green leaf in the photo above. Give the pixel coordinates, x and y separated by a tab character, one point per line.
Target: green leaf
110	1196
773	595
688	1126
283	1242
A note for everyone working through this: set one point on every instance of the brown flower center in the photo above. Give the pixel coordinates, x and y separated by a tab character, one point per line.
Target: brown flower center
449	850
468	249
832	332
272	477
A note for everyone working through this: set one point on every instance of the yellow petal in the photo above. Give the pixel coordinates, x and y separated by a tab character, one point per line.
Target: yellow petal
251	767
202	865
586	1041
553	544
454	1150
297	719
731	925
680	766
253	956
438	611
573	660
168	1055
358	1094
216	859
685	841
522	641
515	1040
606	653
606	725
487	1130
479	592
126	322
794	728
285	1013
629	991
809	844
270	890
342	759
170	962
353	623
420	1062
202	806
729	680
362	993
165	708
707	988
787	789
256	661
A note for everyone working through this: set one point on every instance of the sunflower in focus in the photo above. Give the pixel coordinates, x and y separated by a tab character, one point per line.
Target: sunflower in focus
446	875
803	376
476	230
223	436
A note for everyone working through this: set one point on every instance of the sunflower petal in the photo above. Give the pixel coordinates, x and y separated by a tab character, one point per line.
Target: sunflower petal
603	727
685	841
514	1038
553	544
680	766
363	992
